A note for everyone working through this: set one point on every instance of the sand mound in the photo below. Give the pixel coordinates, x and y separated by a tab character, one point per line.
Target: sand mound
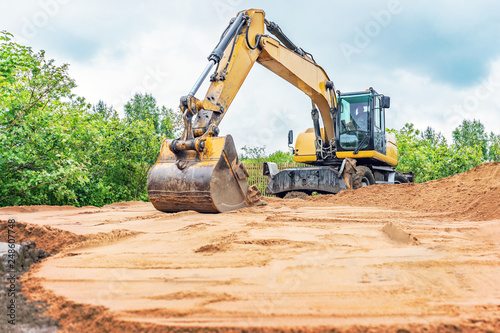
296	195
55	240
50	239
473	195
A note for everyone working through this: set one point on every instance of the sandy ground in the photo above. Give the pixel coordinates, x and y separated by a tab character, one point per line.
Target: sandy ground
397	258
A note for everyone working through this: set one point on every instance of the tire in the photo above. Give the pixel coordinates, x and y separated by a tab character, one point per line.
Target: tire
363	177
400	179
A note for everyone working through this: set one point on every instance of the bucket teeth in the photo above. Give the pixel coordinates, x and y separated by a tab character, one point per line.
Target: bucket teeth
254	196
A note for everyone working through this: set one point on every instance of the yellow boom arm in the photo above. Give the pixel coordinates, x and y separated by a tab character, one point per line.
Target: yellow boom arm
250	45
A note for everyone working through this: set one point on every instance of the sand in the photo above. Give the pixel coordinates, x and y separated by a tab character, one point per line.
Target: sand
384	258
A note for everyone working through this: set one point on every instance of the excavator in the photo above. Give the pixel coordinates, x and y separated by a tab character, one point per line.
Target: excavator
201	171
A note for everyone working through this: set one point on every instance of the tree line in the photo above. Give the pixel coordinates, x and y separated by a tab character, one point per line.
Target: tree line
429	156
425	153
58	149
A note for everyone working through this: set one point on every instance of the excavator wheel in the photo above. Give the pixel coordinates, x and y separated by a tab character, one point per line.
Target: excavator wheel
363	177
400	179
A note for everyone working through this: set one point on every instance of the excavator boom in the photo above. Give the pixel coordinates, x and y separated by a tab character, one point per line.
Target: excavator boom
201	171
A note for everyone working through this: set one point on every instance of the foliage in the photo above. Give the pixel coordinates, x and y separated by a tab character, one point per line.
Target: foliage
36	161
471	134
280	157
171	123
494	147
122	155
258	155
55	148
253	154
104	110
428	155
143	107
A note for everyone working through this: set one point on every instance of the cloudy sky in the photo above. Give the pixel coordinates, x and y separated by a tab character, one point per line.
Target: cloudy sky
438	61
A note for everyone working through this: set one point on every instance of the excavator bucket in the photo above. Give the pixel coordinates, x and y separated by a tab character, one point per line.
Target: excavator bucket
211	181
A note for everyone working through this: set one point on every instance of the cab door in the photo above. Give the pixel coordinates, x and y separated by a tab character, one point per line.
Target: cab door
379	126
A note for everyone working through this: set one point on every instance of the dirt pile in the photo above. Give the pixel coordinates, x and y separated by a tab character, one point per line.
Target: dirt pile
296	195
33	314
50	239
472	195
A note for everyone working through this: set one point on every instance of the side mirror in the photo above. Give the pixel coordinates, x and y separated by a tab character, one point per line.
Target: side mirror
385	102
290	137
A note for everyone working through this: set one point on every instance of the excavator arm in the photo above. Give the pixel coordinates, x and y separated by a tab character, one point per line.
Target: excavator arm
200	170
246	45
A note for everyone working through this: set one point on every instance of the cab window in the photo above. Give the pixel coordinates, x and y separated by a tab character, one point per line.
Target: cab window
355	121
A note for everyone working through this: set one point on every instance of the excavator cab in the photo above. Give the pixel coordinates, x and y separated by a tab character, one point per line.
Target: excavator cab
361	121
361	154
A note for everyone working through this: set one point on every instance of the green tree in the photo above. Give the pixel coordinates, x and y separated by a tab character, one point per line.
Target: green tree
280	157
36	118
55	148
104	110
471	134
171	123
144	107
253	154
428	155
494	147
119	161
258	155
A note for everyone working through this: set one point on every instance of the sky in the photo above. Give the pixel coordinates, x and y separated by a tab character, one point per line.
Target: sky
438	61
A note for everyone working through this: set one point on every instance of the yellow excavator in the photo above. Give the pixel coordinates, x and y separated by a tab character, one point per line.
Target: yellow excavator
201	171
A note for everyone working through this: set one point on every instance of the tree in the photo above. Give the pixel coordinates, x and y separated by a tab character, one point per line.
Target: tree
119	161
432	136
471	134
36	117
258	155
254	154
428	155
57	149
104	110
280	157
494	147
144	107
171	123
